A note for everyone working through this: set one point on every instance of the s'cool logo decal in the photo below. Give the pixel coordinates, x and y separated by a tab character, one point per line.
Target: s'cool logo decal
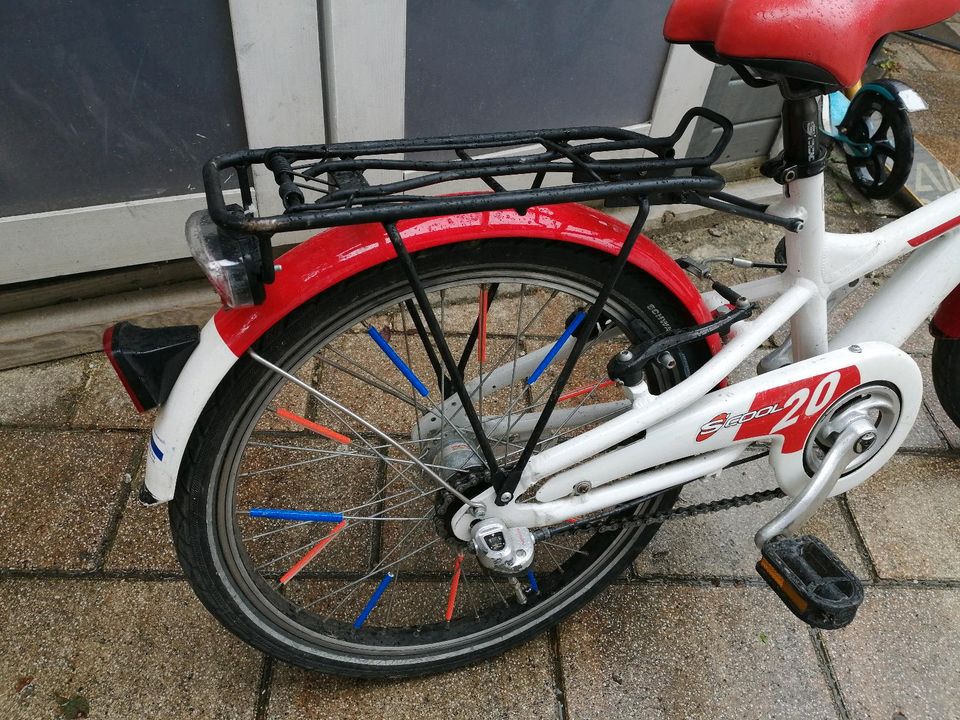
725	420
789	410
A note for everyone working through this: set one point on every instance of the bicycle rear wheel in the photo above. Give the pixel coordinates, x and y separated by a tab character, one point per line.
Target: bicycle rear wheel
388	590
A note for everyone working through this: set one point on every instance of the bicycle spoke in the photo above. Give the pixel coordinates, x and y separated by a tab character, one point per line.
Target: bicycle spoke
344	504
438	337
369	378
513	369
333	403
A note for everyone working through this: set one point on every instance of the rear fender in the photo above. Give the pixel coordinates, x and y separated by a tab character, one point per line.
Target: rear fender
337	254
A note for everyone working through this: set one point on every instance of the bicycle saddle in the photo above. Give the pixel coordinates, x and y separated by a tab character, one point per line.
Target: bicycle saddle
824	42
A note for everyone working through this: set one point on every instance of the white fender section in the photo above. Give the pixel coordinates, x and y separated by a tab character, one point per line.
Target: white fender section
207	366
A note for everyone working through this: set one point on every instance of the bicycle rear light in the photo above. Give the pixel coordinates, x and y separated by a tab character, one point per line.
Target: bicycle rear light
149	360
231	262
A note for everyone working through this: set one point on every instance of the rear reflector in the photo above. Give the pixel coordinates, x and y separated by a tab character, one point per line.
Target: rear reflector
149	360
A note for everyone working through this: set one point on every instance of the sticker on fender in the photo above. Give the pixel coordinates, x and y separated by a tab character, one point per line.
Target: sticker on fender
788	410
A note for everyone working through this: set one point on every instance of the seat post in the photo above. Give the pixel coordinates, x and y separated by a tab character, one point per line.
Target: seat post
801	136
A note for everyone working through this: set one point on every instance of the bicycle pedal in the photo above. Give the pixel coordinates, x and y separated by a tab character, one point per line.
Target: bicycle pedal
811	580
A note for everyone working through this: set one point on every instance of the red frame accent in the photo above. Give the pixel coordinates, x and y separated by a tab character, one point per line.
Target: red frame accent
339	253
108	351
936	232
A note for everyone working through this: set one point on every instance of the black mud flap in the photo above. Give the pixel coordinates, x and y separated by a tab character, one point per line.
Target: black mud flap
149	360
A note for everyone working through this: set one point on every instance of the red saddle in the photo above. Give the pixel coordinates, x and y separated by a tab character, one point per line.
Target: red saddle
822	41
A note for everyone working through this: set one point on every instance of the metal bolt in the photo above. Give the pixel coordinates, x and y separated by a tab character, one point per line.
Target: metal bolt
667	360
277	268
865	442
625	356
582	487
856	348
506	497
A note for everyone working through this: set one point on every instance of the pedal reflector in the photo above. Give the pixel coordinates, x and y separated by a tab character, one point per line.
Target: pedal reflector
811	580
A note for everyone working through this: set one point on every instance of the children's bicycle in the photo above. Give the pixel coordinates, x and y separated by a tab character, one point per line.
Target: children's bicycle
442	425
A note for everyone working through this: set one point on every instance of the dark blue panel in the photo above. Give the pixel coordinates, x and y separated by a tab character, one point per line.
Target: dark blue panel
476	65
111	100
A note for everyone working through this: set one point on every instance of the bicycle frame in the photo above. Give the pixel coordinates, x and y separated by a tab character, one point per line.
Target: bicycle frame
818	264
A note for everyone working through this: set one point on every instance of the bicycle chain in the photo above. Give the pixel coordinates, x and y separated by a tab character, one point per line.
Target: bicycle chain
603	524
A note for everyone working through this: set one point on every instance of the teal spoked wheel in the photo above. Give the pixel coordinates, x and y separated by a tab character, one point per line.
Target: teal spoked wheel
878	124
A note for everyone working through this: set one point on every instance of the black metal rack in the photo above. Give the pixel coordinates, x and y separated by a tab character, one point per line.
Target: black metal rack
326	185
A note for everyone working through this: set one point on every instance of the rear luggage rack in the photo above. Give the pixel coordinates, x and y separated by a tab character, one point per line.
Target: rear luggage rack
327	185
384	182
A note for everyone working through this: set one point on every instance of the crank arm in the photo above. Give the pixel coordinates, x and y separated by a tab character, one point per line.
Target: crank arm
857	438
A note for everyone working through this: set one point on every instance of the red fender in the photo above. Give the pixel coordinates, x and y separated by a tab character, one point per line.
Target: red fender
339	253
946	321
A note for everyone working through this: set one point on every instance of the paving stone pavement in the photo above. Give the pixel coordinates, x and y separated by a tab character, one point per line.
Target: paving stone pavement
93	602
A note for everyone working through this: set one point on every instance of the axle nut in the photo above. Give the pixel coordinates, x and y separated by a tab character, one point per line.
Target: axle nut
865	442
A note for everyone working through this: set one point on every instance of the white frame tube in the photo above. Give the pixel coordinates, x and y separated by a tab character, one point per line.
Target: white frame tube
818	262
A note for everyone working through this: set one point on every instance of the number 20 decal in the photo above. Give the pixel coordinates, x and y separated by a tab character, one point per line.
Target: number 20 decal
791	410
810	403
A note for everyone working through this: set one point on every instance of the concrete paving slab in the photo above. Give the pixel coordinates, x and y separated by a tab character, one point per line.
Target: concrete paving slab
291	398
920	341
907	514
130	649
517	684
58	492
899	657
925	434
143	541
104	403
687	651
721	544
44	394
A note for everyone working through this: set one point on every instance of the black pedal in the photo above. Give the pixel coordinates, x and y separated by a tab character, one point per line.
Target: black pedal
812	581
